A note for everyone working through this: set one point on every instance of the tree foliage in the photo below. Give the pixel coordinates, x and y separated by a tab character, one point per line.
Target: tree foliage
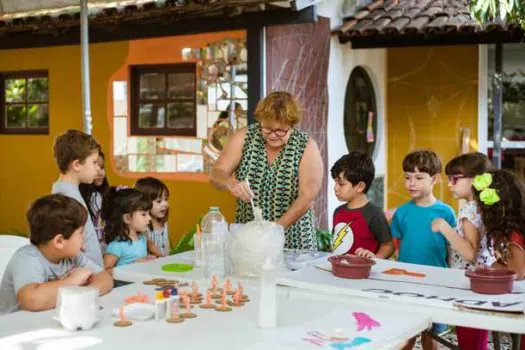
512	11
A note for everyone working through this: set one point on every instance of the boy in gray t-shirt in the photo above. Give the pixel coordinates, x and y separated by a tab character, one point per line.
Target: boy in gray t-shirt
52	260
76	154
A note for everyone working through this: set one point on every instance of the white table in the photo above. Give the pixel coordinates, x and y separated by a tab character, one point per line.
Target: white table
141	272
235	330
153	269
454	316
420	295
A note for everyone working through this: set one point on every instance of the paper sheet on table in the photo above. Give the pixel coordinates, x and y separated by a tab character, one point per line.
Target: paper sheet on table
351	328
439	287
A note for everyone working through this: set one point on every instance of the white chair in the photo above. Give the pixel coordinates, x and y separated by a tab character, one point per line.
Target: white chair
8	246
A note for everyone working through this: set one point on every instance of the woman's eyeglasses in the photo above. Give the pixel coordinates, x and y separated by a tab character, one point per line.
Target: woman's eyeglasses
453	179
277	132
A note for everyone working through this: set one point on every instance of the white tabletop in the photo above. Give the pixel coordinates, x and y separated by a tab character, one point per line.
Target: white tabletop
442	294
454	315
235	330
153	269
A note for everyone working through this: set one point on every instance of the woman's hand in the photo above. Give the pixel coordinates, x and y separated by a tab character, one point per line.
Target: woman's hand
241	190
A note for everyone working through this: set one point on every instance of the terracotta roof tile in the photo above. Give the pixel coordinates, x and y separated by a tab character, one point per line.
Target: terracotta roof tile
415	17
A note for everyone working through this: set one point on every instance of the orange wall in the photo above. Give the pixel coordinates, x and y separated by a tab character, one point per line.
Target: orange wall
28	168
432	93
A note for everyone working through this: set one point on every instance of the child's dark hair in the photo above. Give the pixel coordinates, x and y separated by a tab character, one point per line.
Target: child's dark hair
117	203
355	167
153	188
425	161
507	215
52	215
469	164
87	191
73	145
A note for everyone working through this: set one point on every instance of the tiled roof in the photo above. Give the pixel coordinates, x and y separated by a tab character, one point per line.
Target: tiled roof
404	18
126	10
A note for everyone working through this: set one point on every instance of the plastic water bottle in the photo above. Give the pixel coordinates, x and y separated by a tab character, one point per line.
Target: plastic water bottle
214	228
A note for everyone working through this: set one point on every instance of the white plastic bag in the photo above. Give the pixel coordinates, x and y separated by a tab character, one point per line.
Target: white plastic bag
250	244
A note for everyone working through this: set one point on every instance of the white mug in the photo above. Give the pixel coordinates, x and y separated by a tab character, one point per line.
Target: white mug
77	307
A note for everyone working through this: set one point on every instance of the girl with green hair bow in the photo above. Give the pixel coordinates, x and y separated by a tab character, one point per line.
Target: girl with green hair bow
501	197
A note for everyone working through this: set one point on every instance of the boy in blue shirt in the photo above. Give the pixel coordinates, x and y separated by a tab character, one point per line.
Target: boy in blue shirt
412	222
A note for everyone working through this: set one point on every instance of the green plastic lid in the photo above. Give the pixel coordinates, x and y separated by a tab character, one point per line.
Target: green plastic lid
177	267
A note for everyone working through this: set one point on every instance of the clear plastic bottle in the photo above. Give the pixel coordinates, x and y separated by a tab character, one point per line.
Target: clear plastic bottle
214	229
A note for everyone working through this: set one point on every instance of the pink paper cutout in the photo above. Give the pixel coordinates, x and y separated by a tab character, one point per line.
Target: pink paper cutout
365	321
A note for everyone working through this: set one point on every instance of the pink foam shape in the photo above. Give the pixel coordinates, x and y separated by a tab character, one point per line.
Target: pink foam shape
364	321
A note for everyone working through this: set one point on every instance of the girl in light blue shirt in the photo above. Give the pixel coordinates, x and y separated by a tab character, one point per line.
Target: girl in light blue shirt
126	215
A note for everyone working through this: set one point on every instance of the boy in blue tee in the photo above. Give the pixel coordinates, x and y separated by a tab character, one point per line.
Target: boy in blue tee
412	222
418	244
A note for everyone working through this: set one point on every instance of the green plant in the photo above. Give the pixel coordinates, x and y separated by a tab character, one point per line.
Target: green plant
324	240
186	242
509	10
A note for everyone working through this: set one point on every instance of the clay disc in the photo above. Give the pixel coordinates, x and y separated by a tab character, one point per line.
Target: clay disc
195	301
207	306
172	281
223	308
157	280
188	315
216	296
149	283
231	292
216	290
175	320
123	323
231	303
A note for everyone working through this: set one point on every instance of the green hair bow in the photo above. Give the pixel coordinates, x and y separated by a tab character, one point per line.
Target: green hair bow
481	183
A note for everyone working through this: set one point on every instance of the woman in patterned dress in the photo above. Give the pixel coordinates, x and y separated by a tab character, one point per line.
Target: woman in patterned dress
283	166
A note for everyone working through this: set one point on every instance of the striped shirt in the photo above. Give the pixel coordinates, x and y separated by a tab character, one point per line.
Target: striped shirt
160	239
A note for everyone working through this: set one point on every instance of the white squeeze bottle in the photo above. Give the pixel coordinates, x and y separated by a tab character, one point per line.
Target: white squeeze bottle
214	229
268	302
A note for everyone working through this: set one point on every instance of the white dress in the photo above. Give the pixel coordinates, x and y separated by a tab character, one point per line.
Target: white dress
485	257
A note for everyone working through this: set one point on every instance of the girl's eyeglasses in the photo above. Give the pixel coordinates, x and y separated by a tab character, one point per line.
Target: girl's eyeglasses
277	132
453	179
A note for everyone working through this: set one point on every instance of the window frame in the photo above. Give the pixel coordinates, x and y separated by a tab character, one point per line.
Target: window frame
135	71
4	130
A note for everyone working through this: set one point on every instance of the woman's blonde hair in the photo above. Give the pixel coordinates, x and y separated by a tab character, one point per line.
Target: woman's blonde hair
279	106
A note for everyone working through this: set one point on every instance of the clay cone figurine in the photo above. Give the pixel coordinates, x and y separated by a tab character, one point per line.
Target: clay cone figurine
187	306
208	304
228	286
223	307
240	289
174	317
122	322
196	297
214	283
236	299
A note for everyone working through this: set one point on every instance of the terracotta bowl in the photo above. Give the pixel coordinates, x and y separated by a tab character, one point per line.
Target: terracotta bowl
351	266
491	280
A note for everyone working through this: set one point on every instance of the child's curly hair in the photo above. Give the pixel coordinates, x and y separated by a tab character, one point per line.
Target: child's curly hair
507	215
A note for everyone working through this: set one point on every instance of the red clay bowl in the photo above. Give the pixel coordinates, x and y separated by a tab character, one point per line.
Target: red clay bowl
351	266
491	280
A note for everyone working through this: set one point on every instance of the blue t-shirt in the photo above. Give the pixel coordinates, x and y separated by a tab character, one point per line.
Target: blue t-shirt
412	224
128	251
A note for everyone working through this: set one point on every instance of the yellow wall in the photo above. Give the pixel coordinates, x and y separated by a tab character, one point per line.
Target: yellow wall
27	165
432	93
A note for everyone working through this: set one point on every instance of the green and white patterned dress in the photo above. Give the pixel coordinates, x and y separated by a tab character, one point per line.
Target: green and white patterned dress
275	186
